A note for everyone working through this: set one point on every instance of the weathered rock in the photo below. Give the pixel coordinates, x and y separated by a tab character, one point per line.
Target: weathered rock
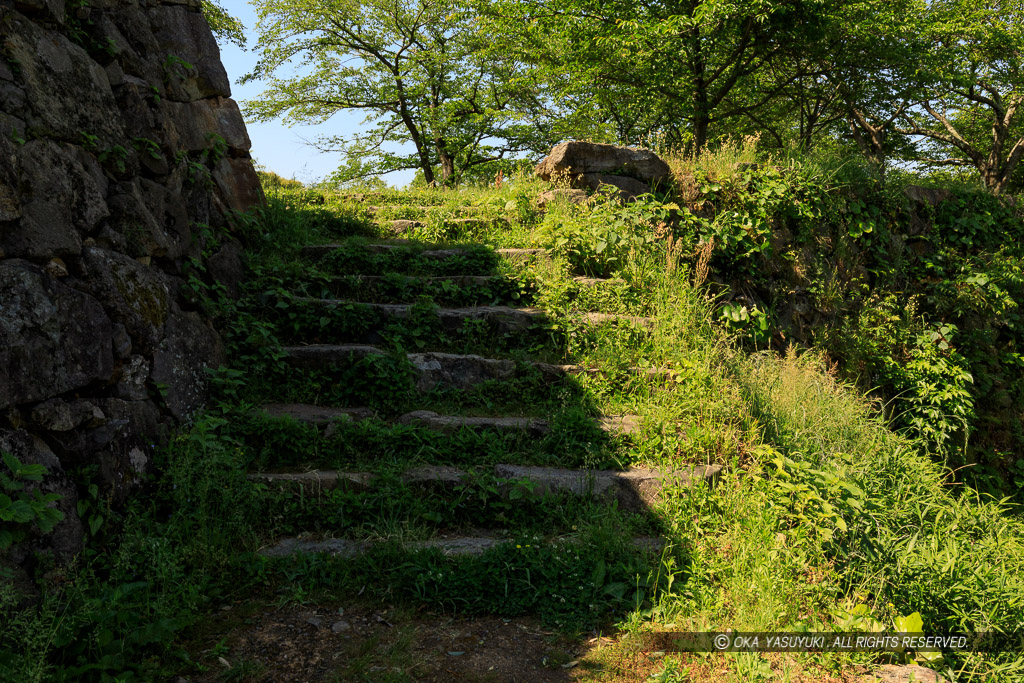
56	268
625	187
572	159
52	10
66	93
122	342
128	33
452	423
131	379
135	229
140	418
434	475
227	267
317	415
316	481
163	201
501	319
893	673
237	181
136	296
192	68
400	227
634	489
52	338
10	201
58	415
181	363
66	538
62	199
214	124
930	196
432	368
562	195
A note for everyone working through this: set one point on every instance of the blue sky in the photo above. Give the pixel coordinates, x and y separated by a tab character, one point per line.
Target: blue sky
277	147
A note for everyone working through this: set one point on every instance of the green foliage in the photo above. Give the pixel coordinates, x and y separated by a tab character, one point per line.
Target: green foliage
23	511
917	363
596	239
456	110
224	26
824	517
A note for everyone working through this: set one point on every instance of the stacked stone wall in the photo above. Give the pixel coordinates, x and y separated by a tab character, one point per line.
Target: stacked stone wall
122	161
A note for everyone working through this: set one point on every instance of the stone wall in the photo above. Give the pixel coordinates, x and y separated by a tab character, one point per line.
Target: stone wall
118	143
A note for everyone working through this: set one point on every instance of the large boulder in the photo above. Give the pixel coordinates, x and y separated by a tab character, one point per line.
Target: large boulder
53	339
64	94
136	295
625	187
62	199
193	69
574	159
181	364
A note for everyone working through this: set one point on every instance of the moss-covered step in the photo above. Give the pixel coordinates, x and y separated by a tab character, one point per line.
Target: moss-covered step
357	256
431	369
499	320
449	546
315	252
318	415
445	290
460	371
634	489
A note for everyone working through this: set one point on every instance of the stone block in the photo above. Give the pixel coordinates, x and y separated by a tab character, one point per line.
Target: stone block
133	229
135	295
226	267
66	93
181	363
571	159
10	201
238	184
53	339
58	415
62	191
192	126
131	379
193	69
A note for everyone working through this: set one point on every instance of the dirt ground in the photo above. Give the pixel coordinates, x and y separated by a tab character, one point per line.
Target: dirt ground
337	643
264	643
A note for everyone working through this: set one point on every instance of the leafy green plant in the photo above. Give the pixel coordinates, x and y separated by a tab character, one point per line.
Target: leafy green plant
747	322
23	510
597	239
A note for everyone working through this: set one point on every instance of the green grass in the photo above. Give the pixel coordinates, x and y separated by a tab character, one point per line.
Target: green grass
825	517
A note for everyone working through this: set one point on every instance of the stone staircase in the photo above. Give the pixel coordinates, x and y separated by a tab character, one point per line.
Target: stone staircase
369	280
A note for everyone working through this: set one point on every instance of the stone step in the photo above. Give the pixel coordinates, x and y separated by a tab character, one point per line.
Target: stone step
502	319
465	210
311	414
461	371
596	281
318	251
634	489
433	368
450	546
460	280
316	415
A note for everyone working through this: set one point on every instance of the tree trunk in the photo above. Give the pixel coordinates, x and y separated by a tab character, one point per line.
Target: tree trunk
447	162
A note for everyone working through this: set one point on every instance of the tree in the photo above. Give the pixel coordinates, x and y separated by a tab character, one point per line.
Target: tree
416	68
673	67
224	26
970	113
